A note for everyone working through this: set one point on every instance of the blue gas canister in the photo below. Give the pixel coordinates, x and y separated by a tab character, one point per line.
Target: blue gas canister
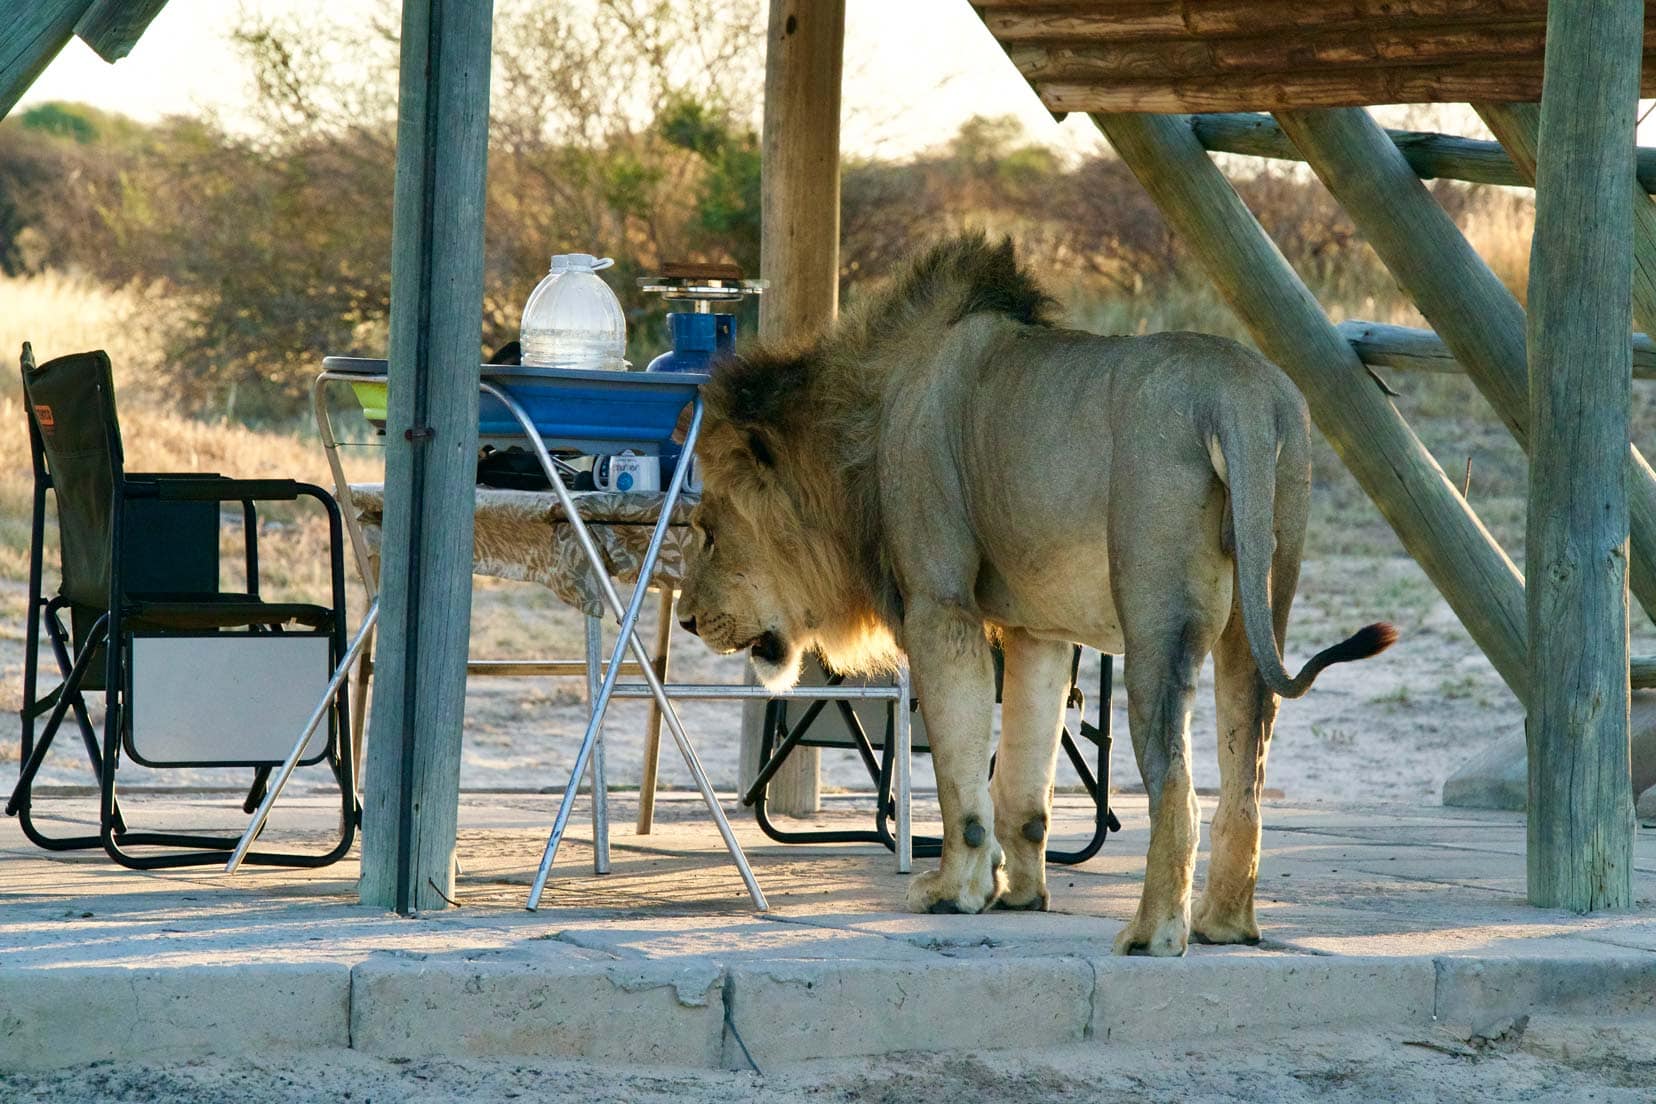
700	335
698	340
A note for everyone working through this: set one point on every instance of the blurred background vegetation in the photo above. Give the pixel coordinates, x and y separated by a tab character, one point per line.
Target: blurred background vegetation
219	266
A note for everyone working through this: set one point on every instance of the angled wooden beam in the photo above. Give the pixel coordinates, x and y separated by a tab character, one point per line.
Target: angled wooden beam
31	34
1466	303
1432	156
1394	468
113	27
1518	126
411	806
1580	293
1408	349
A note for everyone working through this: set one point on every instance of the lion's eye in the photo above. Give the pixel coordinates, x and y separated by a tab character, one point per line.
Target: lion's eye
707	539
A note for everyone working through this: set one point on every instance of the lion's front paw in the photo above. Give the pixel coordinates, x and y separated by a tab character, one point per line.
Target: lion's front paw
1013	901
1165	940
1212	924
971	889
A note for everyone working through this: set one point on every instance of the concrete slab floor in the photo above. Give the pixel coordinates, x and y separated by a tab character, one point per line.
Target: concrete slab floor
1384	915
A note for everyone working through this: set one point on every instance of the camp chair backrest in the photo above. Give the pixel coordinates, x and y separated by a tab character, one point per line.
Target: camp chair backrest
168	547
71	404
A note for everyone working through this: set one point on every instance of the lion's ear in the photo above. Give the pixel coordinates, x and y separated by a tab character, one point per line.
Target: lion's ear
761	390
760	449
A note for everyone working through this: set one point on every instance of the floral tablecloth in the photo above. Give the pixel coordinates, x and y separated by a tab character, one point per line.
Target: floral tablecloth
525	535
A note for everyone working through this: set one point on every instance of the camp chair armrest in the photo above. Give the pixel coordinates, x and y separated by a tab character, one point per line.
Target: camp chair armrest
219	489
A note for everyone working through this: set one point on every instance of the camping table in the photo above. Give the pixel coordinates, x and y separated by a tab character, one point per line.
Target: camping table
582	575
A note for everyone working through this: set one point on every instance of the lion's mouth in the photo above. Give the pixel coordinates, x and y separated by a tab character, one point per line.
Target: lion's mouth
767	647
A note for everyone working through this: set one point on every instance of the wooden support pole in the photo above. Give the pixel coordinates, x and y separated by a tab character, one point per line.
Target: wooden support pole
411	805
1431	156
799	249
1580	296
1394	468
1465	302
800	186
1407	349
31	35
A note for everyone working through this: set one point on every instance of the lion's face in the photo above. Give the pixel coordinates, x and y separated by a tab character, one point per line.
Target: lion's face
736	595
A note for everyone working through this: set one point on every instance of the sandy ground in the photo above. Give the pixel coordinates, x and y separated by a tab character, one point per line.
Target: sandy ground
1391	729
1558	1061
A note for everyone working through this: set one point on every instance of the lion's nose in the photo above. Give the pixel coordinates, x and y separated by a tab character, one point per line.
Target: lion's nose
689	624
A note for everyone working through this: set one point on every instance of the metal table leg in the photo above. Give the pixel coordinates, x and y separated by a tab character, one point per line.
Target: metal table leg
628	638
904	737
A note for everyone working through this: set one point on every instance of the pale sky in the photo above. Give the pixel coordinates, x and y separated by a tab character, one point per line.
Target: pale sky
914	71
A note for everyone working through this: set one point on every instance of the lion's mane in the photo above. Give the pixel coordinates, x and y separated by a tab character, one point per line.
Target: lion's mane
793	433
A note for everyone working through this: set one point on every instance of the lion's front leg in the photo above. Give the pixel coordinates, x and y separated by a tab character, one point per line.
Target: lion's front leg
954	678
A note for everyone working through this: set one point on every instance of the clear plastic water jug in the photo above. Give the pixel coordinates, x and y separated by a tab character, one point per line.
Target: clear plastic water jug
573	319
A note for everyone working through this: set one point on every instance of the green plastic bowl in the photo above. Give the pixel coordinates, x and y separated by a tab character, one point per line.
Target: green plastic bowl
372	398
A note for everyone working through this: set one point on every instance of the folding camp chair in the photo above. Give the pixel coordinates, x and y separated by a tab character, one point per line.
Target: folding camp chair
191	676
778	739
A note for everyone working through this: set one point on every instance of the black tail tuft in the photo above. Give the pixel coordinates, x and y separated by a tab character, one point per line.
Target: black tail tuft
1370	640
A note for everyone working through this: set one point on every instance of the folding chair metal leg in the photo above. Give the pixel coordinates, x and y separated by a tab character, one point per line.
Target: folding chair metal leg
58	636
772	755
66	697
256	792
600	786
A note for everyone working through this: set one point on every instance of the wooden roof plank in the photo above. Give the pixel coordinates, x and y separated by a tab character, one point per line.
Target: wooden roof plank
1145	59
1043	20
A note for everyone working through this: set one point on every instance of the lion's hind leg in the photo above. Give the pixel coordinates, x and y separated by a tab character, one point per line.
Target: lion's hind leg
1161	686
1246	710
1172	599
1032	706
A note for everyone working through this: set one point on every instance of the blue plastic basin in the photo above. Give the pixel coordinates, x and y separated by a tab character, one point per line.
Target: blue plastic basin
577	407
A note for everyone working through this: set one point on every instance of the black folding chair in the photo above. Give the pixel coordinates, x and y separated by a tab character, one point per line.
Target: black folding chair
191	676
778	739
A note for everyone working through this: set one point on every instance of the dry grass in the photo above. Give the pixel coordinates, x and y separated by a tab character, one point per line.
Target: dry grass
61	313
1499	229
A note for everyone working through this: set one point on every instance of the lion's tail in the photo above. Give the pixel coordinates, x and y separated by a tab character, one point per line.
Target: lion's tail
1250	473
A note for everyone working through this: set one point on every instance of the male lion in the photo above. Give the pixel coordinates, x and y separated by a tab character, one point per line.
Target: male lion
944	469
